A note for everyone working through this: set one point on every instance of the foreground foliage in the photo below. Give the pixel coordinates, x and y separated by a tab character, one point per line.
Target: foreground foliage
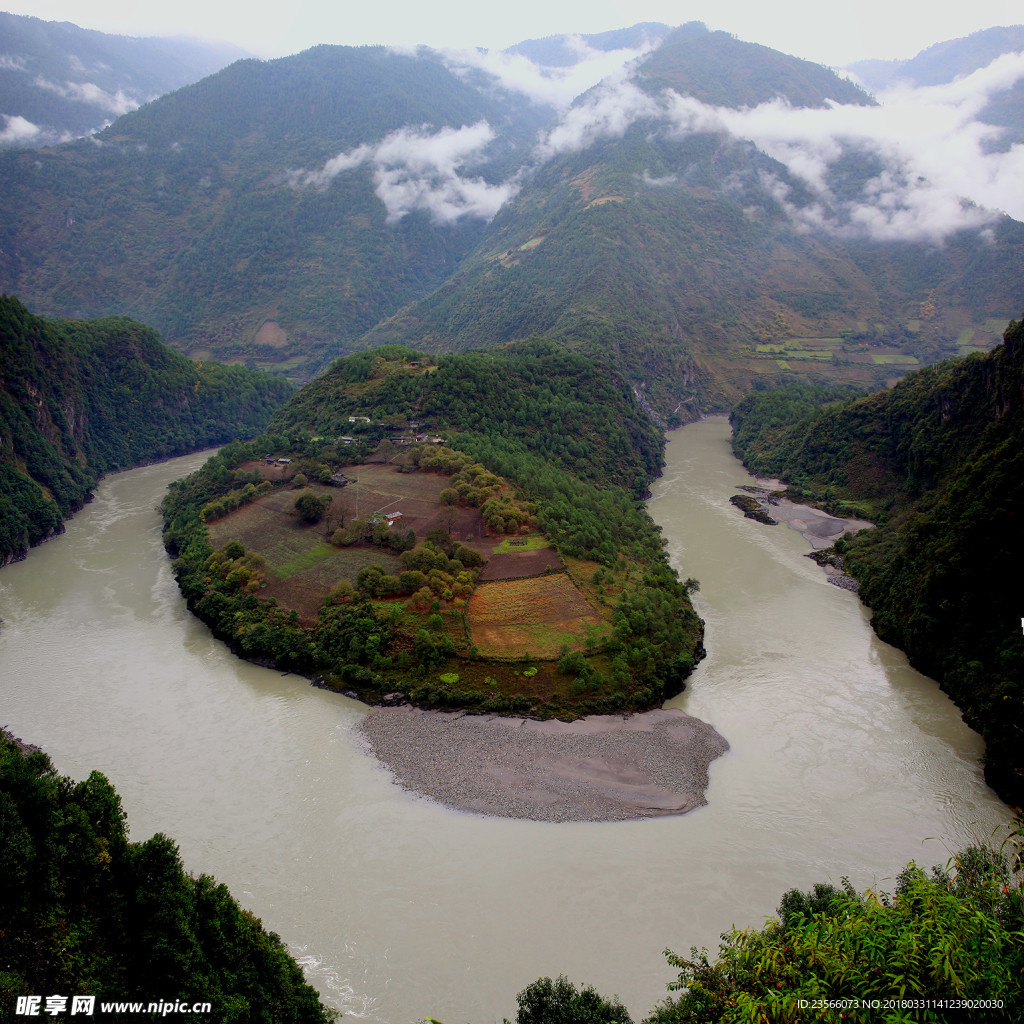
81	398
953	933
938	463
85	911
560	1002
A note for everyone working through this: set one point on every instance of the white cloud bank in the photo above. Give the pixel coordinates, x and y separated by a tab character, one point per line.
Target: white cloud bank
86	92
557	86
418	169
17	129
937	176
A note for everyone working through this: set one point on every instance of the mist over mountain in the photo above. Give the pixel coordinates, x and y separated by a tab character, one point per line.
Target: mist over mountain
956	58
59	81
704	212
566	50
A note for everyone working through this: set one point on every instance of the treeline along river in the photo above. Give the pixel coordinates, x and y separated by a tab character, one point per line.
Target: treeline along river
842	761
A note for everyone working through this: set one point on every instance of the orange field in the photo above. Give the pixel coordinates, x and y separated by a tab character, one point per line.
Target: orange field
510	618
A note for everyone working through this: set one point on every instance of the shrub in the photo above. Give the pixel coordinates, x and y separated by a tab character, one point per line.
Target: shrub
449	678
559	1002
312	507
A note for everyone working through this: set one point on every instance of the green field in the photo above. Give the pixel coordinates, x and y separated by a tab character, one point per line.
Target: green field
895	360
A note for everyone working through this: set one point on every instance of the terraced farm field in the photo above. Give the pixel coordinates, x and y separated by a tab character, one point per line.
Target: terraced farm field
301	565
510	617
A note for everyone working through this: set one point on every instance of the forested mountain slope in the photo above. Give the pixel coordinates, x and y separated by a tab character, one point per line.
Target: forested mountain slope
59	81
193	213
938	463
677	251
78	399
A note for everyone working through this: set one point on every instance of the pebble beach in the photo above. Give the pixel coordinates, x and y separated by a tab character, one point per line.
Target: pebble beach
601	768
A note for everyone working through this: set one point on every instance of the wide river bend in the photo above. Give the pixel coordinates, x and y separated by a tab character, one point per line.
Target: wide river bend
843	761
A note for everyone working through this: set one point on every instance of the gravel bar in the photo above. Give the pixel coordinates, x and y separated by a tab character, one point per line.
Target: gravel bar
601	768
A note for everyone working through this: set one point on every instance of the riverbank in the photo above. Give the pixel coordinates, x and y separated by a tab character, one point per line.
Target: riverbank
600	768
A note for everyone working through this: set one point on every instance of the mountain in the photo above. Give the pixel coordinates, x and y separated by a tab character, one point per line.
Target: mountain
680	252
952	59
191	213
79	399
944	61
59	81
935	461
693	220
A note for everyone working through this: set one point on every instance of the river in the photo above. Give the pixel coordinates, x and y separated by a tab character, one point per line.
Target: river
843	761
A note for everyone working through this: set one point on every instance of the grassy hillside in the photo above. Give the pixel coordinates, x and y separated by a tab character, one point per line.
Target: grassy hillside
936	462
81	398
524	575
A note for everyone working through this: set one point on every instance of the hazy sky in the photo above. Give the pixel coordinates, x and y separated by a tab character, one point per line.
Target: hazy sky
833	33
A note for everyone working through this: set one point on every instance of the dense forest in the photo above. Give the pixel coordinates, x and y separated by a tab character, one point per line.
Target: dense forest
82	398
565	431
86	912
937	463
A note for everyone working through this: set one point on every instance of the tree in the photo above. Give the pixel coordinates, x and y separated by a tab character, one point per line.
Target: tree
386	450
339	510
300	480
312	507
559	1002
449	516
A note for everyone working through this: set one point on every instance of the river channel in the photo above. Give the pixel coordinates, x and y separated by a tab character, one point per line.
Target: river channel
843	761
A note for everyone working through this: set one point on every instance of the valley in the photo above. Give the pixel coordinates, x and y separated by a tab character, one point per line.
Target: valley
455	593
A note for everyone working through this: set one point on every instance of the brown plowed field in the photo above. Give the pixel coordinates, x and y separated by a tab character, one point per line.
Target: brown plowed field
516	565
510	618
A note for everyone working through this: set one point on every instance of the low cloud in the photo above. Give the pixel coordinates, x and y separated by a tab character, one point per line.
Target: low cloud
419	169
17	129
86	92
557	86
937	175
605	112
12	62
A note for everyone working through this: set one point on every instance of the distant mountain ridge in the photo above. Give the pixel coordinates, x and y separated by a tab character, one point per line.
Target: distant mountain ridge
281	213
564	50
951	59
59	81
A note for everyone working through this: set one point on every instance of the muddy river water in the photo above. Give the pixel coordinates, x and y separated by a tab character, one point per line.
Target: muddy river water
842	761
